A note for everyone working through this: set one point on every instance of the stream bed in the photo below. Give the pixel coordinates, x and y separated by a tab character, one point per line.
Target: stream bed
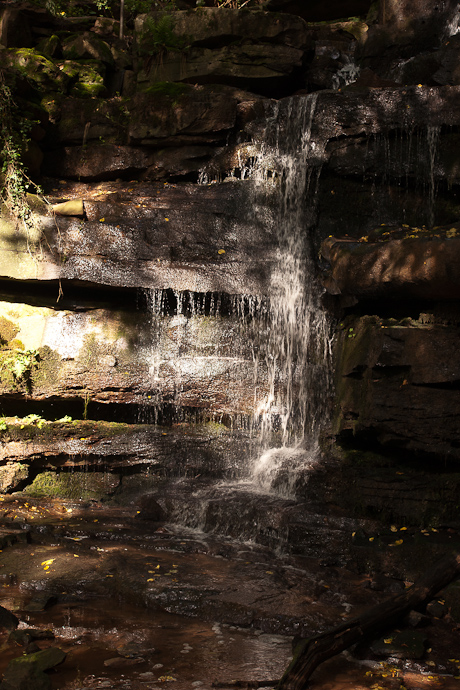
137	604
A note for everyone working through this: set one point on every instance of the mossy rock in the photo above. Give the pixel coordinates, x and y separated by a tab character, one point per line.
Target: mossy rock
8	330
47	372
48	46
16	367
72	485
35	67
88	78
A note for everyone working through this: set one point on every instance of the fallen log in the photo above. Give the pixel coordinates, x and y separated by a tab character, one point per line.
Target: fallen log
311	652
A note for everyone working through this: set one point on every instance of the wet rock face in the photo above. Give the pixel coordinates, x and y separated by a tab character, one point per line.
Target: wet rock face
159	168
424	268
231	47
397	381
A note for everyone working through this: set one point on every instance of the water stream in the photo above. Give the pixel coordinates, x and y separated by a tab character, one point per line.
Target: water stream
287	333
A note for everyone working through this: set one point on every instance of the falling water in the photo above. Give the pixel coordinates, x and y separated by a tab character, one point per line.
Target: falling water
297	340
288	329
297	345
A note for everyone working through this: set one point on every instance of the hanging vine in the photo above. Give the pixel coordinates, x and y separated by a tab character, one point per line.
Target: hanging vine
14	136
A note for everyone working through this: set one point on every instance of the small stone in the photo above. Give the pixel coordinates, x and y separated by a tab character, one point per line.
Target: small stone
438	609
416	619
8	621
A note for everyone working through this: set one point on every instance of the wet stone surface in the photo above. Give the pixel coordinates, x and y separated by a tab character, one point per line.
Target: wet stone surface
136	605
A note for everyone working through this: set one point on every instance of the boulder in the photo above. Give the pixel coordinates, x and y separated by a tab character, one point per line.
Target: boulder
108	162
41	71
14	29
8	621
87	78
12	475
80	120
87	46
413	267
27	672
397	383
217	26
184	237
167	109
259	67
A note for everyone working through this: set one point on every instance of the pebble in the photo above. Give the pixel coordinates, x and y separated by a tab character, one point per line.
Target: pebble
158	666
148	675
197	683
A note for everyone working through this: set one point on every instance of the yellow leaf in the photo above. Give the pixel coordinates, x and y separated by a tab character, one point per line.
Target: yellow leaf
394	528
150	579
398	542
221	251
402	529
76	555
371	538
388	640
101	220
166	218
48	562
269	572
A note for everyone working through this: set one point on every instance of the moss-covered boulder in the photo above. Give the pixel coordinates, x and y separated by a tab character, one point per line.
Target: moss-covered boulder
87	78
27	672
38	69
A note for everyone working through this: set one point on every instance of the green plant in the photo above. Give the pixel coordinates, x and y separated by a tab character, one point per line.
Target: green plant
34	420
3	425
14	135
234	4
170	89
86	401
17	366
158	37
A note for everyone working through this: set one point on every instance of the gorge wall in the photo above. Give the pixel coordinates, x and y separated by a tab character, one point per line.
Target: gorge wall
135	292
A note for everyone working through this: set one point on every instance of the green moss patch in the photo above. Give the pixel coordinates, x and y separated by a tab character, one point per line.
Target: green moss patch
72	485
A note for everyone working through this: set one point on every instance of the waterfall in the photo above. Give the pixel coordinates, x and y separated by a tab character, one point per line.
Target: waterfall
297	345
